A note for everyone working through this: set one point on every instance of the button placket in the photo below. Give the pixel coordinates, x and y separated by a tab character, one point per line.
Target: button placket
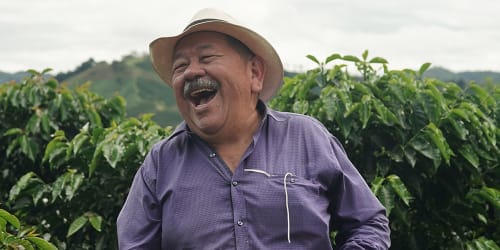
239	212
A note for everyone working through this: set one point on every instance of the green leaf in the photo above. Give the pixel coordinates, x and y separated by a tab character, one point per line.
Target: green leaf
33	124
365	55
421	144
95	221
313	58
55	150
113	153
399	187
95	119
383	113
13	131
332	57
423	68
351	58
59	185
436	136
52	83
41	243
386	197
10	218
59	134
22	184
95	158
75	180
492	195
470	155
458	127
431	102
352	109
378	60
45	71
13	145
3	226
301	107
76	225
78	141
45	124
29	147
39	192
364	111
377	184
481	243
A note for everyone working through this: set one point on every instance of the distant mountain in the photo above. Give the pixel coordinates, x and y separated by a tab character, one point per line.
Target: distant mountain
6	77
133	78
463	78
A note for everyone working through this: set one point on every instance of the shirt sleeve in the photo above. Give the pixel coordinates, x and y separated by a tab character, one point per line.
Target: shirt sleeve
139	221
357	214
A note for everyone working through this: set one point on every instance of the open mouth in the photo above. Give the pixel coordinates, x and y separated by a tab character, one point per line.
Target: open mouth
200	91
202	96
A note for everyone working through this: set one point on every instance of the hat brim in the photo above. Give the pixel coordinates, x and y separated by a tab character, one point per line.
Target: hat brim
162	49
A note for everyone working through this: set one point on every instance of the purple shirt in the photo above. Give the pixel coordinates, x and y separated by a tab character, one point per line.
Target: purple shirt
293	186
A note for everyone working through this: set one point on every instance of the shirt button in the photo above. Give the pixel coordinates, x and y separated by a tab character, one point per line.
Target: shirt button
240	223
235	183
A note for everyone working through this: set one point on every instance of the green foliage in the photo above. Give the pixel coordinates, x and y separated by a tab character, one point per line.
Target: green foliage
428	148
133	78
13	236
463	79
67	159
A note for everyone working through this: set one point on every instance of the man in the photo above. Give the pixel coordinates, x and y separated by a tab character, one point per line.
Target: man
236	174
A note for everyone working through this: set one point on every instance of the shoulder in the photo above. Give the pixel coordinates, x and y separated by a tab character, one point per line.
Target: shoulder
176	139
166	149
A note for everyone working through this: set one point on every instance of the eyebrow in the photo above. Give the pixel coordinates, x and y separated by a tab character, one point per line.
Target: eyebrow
198	48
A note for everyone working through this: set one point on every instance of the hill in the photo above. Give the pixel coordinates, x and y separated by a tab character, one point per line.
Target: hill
463	78
6	77
133	78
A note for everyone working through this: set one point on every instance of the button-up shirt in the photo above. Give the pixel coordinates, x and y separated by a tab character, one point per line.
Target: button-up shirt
292	187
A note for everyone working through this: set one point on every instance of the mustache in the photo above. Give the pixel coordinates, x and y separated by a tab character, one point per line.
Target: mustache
198	83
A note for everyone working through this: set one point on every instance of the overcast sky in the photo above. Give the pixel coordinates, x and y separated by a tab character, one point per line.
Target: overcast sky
61	34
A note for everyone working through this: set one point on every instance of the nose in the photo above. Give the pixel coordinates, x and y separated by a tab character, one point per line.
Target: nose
194	70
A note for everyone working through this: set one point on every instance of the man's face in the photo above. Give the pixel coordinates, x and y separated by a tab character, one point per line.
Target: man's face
215	87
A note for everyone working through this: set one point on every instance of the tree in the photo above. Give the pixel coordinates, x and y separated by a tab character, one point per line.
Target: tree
428	148
68	158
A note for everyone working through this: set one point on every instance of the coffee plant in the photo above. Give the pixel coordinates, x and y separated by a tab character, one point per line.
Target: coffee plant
428	148
67	159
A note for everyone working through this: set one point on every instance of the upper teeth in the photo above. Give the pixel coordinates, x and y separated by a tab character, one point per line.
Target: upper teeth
199	91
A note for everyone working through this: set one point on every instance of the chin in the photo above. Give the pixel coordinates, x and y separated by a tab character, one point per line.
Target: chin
204	128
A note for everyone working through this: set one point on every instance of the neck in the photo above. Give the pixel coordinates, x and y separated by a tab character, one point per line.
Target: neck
234	143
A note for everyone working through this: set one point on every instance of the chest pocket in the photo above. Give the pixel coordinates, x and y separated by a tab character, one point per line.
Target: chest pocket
284	204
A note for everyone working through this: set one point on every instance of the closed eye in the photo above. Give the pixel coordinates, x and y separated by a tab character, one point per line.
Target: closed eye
208	58
179	67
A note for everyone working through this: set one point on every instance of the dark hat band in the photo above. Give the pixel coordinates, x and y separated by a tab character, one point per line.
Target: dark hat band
202	21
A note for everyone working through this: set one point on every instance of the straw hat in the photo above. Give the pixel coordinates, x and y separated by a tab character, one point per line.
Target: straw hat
162	49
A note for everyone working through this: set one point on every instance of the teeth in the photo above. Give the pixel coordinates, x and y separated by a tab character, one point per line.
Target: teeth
195	88
199	91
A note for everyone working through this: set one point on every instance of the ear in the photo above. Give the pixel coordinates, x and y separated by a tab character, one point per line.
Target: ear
258	71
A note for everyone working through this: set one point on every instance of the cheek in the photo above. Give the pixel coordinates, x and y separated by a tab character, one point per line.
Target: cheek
178	88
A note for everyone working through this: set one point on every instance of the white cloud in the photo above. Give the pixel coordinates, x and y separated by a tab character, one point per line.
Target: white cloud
460	34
